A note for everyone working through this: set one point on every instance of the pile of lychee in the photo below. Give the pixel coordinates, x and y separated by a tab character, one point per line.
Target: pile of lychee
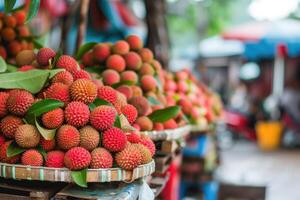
15	35
87	134
198	104
133	71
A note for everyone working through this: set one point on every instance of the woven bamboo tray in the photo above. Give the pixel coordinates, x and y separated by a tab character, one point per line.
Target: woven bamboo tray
64	175
169	134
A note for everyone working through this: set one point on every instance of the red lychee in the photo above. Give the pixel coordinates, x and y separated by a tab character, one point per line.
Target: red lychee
77	114
125	90
64	77
146	69
83	90
141	104
170	124
9	125
116	62
19	102
3	100
134	42
101	158
55	159
129	76
44	55
67	137
121	47
129	158
32	157
77	158
145	123
147	142
58	91
47	145
3	154
148	83
101	52
53	119
81	74
68	63
103	117
146	55
110	77
108	94
130	113
114	139
133	60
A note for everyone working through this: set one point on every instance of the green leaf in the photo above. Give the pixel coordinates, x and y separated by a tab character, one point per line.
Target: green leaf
32	80
42	151
33	9
48	134
83	49
53	72
18	8
3	65
116	85
41	107
165	114
153	101
13	150
11	68
118	122
100	102
79	177
37	43
94	69
125	125
55	59
9	5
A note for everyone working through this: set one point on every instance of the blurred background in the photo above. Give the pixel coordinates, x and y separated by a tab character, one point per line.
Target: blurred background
248	51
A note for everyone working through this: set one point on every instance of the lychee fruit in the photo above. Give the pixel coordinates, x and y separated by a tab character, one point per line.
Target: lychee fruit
101	52
77	158
129	76
114	139
133	137
44	55
3	100
63	77
116	62
101	158
3	53
186	106
32	157
135	43
9	125
157	66
147	142
126	90
145	152
88	59
133	60
67	137
182	86
23	31
129	158
148	83
81	74
19	102
146	69
8	34
121	47
141	104
110	77
170	124
77	114
14	47
68	63
108	94
130	113
47	145
10	21
27	136
2	140
3	155
20	16
146	55
121	101
25	57
89	138
158	126
136	91
145	123
58	91
83	90
25	68
55	159
53	119
103	117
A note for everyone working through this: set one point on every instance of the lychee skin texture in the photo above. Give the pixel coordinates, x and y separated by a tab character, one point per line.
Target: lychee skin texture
135	43
158	126
32	157
27	136
121	47
110	77
19	102
77	114
68	63
81	74
89	138
129	158
10	21
147	142
145	123
77	158
141	104
53	119
170	124
101	52
114	140
103	117
25	57
136	91
146	69
116	62
126	90
3	53
121	101
133	137
130	113
146	55
67	137
55	159
145	152
148	83
133	61
14	47
8	34
9	125
20	17
47	145
58	91
87	59
25	68
2	140
3	100
44	55
129	76
64	77
83	90
101	158
3	155
108	94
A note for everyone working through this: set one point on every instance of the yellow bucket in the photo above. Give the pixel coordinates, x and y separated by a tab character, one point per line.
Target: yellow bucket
269	134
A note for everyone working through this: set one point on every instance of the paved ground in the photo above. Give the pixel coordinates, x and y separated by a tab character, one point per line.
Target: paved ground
279	170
